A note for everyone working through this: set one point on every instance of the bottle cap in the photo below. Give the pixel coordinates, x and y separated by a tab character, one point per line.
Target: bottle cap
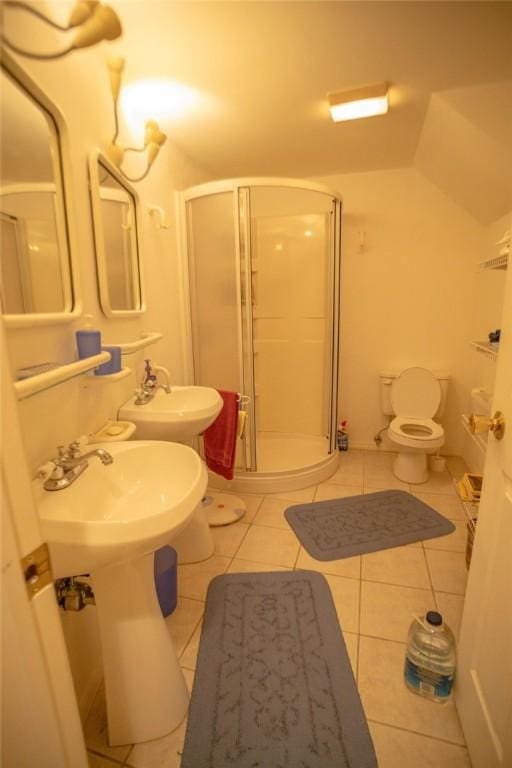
434	618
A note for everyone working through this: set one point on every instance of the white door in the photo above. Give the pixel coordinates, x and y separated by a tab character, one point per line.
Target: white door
484	687
40	720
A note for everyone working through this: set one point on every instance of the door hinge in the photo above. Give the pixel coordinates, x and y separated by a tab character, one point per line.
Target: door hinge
37	570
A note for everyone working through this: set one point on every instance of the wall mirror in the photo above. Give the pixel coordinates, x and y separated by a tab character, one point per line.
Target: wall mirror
115	217
36	283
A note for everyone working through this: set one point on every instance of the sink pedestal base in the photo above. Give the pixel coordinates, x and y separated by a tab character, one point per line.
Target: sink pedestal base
146	692
195	542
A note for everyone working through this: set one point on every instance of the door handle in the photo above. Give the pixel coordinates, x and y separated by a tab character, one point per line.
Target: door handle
495	424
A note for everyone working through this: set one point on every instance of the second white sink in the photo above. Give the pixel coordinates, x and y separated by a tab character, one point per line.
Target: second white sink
178	416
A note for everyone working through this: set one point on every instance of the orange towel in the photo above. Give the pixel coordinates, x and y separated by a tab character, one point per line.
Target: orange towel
220	437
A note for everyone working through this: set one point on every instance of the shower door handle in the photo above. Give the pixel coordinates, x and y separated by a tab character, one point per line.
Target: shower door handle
253	290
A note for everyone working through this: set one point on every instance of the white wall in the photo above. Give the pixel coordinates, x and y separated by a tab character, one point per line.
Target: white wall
407	296
78	85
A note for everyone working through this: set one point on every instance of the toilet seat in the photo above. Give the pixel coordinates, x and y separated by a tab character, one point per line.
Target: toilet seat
416	394
416	433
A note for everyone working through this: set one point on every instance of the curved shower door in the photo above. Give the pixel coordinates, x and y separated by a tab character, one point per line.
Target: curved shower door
264	286
220	359
292	274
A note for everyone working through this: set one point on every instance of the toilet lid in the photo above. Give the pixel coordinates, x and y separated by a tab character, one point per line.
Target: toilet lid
416	393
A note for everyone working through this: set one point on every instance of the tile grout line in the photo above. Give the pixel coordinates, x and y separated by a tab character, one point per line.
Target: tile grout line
294	567
359	614
360	591
198	622
341	576
430	578
419	733
94	751
239	544
126	764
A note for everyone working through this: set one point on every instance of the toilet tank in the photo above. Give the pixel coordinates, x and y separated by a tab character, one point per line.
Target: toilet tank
386	380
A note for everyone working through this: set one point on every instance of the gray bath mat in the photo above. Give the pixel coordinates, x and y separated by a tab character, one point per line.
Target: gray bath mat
330	530
273	686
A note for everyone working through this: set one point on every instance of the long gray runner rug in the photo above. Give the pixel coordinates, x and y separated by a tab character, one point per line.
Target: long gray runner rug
337	528
273	685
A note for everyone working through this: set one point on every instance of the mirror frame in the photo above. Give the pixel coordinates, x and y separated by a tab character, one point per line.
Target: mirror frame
66	226
96	157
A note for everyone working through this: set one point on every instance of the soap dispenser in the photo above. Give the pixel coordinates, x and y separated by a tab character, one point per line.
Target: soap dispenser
88	340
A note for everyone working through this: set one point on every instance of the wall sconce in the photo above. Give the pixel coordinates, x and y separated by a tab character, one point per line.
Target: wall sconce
359	102
94	22
153	136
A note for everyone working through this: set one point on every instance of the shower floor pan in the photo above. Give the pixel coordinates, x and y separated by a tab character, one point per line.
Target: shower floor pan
285	463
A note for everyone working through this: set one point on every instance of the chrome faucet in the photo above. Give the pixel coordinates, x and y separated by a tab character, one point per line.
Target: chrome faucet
70	464
149	380
74	457
143	395
149	384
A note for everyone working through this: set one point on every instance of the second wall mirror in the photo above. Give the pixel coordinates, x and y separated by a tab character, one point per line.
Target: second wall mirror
36	285
115	218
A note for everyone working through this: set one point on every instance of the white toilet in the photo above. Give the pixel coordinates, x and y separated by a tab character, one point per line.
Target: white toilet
414	397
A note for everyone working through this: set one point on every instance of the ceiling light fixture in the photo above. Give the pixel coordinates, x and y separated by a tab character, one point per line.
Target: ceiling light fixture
92	20
153	136
359	102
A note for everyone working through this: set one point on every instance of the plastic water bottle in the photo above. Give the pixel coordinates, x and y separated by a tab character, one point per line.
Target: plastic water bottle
430	657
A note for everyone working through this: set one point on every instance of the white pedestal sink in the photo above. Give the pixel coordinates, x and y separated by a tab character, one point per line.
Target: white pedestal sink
146	692
180	415
108	523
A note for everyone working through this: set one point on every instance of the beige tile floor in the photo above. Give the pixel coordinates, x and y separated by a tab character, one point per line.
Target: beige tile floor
374	594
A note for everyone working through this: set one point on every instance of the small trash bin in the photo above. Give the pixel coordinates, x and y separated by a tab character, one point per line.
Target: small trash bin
166	579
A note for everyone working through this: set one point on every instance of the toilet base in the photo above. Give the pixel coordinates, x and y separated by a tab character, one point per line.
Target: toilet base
411	467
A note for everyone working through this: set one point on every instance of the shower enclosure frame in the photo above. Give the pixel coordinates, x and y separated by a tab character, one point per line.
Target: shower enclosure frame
251	480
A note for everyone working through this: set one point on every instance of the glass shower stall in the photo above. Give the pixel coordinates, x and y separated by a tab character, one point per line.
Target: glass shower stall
263	262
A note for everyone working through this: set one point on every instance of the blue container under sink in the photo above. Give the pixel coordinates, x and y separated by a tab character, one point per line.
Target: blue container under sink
166	579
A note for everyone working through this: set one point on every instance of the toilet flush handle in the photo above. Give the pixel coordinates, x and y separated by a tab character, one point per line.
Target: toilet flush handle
479	423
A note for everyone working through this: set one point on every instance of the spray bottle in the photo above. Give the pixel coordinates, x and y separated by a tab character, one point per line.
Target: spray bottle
342	436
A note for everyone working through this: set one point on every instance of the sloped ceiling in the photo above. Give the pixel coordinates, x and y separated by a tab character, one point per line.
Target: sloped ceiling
261	72
465	148
265	68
